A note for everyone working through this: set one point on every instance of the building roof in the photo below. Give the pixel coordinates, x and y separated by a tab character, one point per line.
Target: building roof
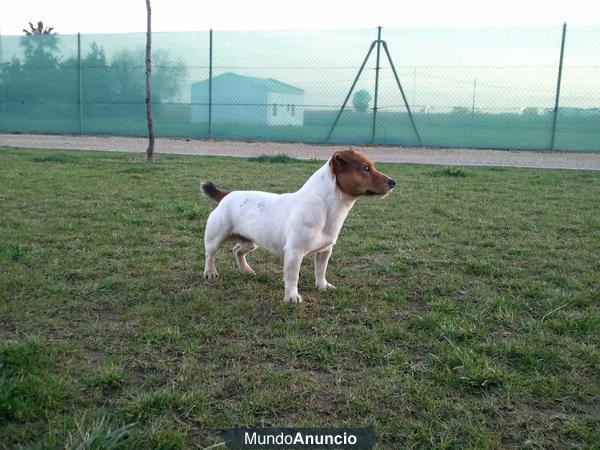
268	84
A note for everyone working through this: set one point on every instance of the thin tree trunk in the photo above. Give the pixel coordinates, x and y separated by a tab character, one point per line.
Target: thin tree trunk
150	150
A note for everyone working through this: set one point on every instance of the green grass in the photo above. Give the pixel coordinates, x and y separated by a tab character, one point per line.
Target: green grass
269	159
466	315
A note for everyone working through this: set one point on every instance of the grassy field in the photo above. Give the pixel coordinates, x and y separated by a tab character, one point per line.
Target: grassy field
466	315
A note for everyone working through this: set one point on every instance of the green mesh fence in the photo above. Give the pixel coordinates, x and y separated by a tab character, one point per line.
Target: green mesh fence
450	87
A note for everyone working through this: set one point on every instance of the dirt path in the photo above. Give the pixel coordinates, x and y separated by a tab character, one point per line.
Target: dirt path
459	157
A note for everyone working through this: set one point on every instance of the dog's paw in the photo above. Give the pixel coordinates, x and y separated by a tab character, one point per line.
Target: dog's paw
211	275
247	271
325	287
292	298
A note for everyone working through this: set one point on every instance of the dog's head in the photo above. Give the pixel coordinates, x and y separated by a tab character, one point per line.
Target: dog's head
356	175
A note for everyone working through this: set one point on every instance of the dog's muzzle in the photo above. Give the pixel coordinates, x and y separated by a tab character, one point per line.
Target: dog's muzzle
390	185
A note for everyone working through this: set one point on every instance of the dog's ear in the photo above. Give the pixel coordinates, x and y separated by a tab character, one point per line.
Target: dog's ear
338	162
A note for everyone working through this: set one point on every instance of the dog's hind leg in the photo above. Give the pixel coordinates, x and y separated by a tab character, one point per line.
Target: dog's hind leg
240	250
214	237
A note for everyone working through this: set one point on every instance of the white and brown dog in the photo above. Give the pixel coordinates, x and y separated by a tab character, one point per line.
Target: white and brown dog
303	223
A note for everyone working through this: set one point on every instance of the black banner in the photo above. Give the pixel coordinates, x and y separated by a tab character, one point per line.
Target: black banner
300	438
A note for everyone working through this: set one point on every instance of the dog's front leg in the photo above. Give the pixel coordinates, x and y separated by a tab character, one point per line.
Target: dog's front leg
321	260
291	272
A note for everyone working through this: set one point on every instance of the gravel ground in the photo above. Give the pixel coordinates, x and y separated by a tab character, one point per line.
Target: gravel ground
458	157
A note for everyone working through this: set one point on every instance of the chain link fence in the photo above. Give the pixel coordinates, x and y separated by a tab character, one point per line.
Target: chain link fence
447	87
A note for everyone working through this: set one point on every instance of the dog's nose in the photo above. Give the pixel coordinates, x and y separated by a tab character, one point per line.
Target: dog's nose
391	183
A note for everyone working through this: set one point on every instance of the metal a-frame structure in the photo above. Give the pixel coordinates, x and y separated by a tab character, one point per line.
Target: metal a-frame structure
377	43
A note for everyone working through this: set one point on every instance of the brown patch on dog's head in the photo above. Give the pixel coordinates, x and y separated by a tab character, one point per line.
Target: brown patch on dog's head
356	175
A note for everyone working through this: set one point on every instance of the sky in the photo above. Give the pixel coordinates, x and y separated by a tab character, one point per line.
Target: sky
110	16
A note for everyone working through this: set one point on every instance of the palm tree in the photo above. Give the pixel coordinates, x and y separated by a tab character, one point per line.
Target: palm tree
40	43
39	30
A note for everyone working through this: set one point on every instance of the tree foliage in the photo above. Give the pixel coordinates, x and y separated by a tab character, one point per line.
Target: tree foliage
38	30
43	82
361	100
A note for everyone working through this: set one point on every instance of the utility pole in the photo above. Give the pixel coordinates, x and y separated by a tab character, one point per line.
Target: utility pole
474	91
414	88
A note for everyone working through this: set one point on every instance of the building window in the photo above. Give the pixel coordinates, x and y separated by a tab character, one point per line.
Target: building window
274	109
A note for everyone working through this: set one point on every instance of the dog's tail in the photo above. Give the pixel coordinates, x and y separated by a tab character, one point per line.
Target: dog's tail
211	191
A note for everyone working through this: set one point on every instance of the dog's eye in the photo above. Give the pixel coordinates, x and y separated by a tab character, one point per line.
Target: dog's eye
367	168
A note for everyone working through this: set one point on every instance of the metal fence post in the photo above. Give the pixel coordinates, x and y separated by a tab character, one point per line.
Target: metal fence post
473	107
556	100
3	81
80	91
210	67
377	68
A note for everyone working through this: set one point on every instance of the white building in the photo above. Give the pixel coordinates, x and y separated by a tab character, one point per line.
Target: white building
239	99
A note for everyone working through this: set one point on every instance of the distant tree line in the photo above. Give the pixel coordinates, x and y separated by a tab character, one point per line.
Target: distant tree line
43	82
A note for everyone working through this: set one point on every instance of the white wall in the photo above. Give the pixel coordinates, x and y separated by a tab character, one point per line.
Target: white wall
290	109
